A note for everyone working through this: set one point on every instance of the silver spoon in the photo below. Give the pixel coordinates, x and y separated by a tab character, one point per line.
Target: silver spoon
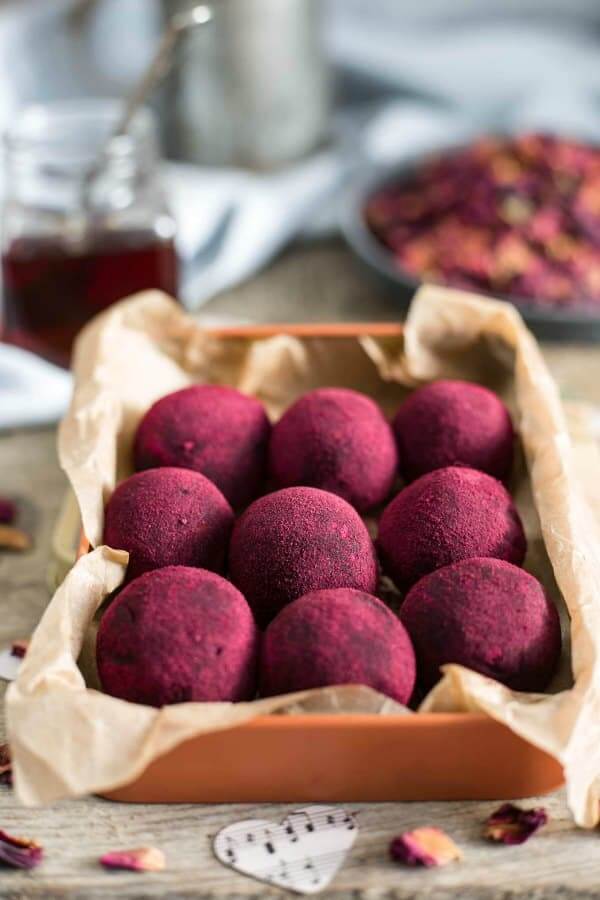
156	70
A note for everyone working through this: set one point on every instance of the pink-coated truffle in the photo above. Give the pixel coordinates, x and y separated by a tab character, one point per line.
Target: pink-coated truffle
337	440
447	515
487	615
178	634
454	423
298	540
340	636
214	430
168	517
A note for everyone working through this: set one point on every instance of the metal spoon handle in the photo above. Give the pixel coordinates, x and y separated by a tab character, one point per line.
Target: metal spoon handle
161	62
156	70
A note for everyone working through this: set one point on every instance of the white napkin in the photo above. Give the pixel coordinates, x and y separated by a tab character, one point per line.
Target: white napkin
231	223
32	391
258	214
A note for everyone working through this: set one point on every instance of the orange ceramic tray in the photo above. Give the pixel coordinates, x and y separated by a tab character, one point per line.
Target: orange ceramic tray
327	758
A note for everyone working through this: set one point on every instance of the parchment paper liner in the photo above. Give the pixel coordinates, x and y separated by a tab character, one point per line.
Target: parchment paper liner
68	739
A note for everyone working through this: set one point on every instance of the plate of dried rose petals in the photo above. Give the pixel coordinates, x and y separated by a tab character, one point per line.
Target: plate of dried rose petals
516	217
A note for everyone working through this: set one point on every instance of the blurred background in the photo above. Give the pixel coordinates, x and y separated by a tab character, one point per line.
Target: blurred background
523	62
287	121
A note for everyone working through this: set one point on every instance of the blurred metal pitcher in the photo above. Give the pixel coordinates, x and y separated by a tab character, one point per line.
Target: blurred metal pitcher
251	90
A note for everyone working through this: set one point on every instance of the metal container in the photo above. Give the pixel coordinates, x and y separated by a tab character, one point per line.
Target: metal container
250	90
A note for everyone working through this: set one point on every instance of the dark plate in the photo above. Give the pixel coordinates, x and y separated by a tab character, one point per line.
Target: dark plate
569	325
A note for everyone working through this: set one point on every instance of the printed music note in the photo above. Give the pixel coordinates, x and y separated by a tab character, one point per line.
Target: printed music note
302	853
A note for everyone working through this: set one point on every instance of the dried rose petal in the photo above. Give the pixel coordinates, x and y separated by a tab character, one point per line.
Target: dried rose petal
545	225
141	859
19	648
424	847
20	853
5	765
8	511
519	216
512	825
12	538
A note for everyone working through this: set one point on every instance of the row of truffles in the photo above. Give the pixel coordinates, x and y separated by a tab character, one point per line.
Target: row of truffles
300	608
331	438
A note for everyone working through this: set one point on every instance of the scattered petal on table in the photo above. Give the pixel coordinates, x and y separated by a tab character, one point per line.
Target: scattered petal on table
18	852
8	511
12	538
140	859
19	648
510	824
424	847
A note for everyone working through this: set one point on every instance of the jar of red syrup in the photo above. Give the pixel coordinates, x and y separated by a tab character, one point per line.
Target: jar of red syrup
73	244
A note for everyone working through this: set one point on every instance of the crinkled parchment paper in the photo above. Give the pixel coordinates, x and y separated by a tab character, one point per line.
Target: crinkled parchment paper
64	732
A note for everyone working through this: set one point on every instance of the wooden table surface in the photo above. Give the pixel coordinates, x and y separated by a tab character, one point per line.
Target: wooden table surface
307	283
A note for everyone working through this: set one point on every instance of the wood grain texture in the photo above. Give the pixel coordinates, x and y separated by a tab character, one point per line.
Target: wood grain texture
314	283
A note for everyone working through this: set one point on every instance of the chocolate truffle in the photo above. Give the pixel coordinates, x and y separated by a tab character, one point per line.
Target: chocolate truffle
168	517
447	515
178	634
214	430
340	636
337	440
488	615
297	540
454	423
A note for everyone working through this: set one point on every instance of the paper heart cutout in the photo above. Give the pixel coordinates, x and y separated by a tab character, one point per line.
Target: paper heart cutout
302	853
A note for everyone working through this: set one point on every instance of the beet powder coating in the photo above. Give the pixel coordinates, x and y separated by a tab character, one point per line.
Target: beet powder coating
340	636
449	514
178	634
488	615
297	540
215	430
168	517
338	440
454	423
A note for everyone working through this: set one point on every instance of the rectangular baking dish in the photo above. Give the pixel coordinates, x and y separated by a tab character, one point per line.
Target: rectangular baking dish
349	758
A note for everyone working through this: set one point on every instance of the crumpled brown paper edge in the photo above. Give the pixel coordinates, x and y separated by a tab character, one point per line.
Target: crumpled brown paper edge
62	733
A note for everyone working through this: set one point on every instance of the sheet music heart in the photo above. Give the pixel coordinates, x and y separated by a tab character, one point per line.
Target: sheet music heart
302	853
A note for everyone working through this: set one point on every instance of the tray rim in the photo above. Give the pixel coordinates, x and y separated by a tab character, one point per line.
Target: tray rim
307	329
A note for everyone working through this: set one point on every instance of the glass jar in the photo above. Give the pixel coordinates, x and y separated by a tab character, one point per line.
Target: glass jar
72	244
